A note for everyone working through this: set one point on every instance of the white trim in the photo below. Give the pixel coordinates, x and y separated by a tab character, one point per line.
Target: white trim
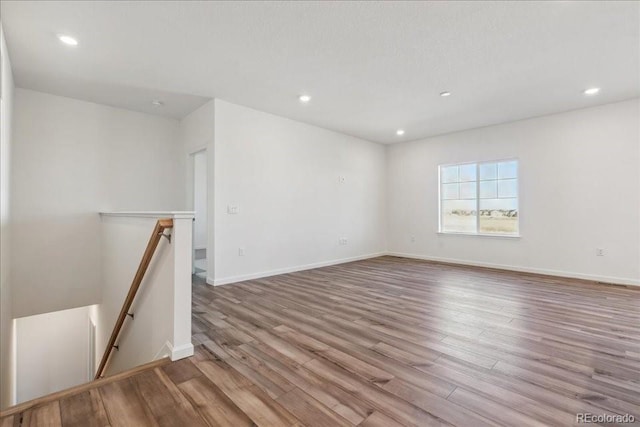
543	271
177	353
197	149
152	214
243	277
460	233
185	350
91	362
13	376
547	272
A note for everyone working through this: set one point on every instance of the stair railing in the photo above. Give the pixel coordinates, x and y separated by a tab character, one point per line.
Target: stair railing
158	233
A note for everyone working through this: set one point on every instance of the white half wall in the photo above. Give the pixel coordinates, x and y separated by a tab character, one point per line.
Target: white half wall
579	190
298	189
71	160
7	379
161	325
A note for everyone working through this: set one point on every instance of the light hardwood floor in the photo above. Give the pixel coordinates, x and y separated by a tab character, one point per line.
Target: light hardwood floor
385	342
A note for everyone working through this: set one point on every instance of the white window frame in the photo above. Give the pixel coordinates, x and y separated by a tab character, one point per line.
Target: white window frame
477	233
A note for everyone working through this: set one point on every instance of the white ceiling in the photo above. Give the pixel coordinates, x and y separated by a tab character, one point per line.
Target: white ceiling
371	67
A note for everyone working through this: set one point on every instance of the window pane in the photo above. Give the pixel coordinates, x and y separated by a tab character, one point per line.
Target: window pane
449	191
449	174
499	216
459	216
488	171
507	188
488	189
491	187
467	172
468	190
508	170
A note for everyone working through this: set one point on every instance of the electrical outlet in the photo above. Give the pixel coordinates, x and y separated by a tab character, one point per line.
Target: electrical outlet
413	239
240	251
232	209
342	241
599	252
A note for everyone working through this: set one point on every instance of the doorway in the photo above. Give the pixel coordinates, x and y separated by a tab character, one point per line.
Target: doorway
199	162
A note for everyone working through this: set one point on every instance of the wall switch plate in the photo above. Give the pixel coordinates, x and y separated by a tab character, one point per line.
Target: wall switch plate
599	252
240	251
232	209
342	180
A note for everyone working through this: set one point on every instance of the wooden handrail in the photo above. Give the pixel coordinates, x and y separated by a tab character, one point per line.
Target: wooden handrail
158	231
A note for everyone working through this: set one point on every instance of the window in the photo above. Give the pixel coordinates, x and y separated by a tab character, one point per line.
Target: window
479	198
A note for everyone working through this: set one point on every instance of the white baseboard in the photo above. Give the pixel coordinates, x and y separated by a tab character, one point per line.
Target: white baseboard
175	353
180	352
547	272
241	278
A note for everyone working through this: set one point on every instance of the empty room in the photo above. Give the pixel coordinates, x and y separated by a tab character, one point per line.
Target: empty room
319	213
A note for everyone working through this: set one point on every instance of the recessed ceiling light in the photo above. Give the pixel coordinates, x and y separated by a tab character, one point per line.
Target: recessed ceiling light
592	91
68	40
445	93
400	132
304	98
157	103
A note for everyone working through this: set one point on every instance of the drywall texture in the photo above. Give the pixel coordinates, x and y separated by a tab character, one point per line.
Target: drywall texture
53	352
579	190
6	329
298	189
71	160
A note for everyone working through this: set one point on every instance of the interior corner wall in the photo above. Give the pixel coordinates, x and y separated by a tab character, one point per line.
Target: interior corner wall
72	159
579	190
53	352
298	190
7	379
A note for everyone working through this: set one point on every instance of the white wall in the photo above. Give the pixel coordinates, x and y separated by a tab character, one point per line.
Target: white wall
72	159
284	177
200	200
53	352
579	190
197	129
6	335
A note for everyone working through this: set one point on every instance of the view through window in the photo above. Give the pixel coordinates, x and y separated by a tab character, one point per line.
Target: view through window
479	198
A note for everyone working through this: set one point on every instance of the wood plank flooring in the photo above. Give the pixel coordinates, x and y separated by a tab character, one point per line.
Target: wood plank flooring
385	342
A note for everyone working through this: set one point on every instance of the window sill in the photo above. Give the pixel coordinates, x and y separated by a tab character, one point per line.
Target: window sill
502	236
